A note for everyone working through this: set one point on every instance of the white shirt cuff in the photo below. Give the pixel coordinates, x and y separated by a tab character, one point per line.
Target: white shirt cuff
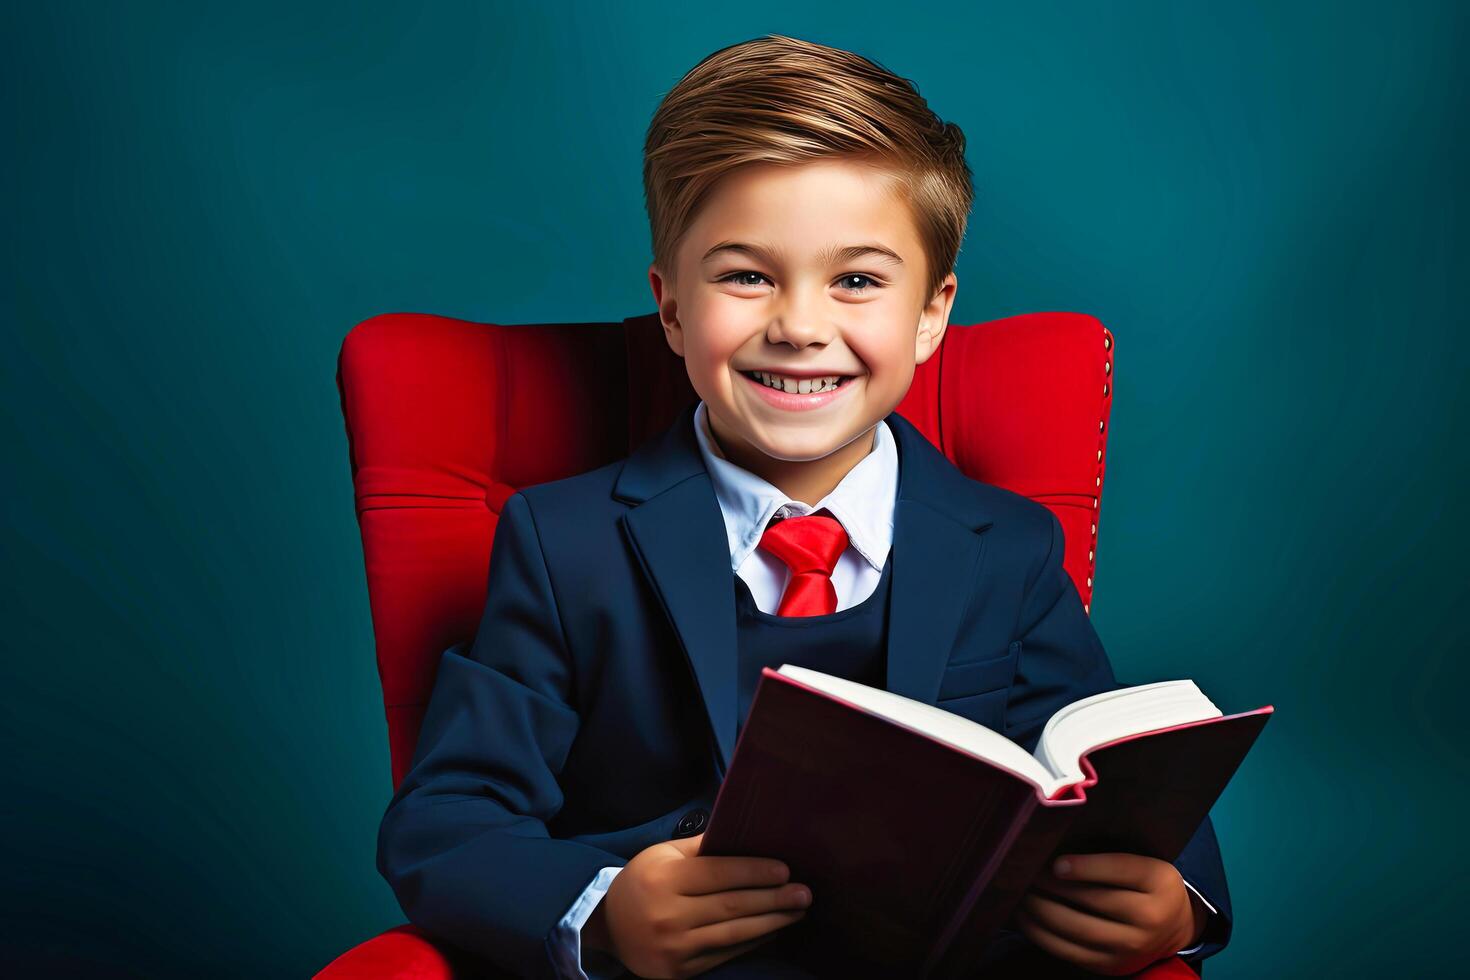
564	945
1213	911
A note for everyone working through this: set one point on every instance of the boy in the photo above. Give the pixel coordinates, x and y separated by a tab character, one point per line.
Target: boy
807	209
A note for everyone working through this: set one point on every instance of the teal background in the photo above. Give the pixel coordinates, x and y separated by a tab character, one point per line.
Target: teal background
1258	199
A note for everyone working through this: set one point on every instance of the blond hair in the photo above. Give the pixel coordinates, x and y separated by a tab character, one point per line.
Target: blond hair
778	99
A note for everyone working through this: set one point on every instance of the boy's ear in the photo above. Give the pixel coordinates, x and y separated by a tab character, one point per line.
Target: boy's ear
668	308
934	319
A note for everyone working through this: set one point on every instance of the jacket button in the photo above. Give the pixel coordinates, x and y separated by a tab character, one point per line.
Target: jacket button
691	823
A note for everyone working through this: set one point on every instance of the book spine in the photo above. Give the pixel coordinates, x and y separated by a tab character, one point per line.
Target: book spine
1027	845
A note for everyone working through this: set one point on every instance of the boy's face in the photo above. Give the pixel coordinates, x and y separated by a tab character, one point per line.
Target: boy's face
787	301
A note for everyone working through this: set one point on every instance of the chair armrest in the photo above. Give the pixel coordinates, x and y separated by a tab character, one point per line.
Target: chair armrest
404	953
1171	969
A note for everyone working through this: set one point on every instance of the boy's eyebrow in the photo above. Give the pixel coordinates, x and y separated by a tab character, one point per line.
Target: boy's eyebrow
832	255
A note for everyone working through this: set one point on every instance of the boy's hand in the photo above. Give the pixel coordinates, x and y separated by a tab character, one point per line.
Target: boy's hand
1111	913
671	913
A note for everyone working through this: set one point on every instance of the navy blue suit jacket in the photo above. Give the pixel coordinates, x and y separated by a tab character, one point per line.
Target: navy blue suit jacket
596	705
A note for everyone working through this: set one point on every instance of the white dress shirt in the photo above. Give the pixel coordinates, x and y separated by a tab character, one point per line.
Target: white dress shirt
863	501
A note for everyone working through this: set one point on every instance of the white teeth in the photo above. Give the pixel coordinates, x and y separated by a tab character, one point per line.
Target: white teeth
795	386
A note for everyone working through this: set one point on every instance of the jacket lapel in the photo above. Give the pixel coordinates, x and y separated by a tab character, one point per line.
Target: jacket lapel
676	529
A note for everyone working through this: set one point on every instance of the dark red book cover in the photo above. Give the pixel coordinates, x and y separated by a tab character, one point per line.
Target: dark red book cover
917	852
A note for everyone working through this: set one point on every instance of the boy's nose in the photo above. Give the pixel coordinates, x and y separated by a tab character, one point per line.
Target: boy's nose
798	329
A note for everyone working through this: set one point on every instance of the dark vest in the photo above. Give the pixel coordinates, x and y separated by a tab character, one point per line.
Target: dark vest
850	643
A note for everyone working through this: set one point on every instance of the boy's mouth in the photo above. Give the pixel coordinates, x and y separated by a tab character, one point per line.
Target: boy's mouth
799	386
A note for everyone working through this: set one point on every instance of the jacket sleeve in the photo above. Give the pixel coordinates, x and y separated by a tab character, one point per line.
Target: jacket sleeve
566	939
1214	923
463	843
1062	660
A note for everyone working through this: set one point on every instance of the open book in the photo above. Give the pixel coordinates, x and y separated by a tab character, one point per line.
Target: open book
919	830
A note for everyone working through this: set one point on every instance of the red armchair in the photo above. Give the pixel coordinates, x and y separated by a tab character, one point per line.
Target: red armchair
446	419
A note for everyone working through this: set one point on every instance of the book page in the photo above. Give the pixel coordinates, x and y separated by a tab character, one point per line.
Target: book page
1083	725
927	719
1068	735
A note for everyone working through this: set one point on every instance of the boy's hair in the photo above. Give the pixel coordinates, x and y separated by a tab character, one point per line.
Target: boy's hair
778	99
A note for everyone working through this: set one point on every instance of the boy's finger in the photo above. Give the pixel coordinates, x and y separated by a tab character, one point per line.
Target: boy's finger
705	875
1111	868
711	958
739	903
1103	901
1063	949
1075	925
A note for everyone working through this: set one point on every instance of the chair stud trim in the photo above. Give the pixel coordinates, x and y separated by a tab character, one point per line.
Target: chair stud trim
1101	430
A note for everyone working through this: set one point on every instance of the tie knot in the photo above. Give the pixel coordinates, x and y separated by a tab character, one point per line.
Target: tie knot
810	547
807	544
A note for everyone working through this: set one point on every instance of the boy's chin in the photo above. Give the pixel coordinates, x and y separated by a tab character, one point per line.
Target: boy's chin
800	446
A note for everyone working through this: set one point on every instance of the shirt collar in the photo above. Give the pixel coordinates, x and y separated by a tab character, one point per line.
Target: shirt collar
863	501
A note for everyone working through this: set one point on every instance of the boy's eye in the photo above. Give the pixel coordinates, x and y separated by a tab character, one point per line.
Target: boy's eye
867	281
858	275
736	276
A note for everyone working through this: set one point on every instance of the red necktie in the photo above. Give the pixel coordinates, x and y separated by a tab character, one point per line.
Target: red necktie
810	547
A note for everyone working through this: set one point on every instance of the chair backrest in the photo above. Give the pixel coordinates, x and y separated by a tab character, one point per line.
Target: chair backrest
446	419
